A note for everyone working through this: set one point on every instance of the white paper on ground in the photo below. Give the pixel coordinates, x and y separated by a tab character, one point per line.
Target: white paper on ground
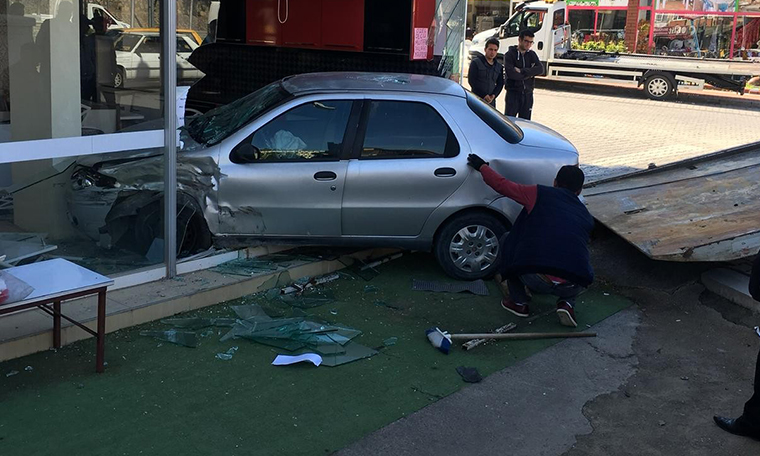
284	360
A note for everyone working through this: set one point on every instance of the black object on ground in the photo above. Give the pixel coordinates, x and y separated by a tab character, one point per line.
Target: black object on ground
469	374
478	287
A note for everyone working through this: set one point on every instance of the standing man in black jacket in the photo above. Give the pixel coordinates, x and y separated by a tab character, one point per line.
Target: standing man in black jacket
486	75
748	424
522	66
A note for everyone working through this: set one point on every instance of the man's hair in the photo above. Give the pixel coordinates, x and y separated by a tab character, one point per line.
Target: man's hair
492	41
525	33
571	178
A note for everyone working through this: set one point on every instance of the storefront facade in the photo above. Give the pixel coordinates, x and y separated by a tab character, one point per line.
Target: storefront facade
689	28
692	28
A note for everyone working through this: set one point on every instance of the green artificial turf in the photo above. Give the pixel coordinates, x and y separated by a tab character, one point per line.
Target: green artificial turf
160	398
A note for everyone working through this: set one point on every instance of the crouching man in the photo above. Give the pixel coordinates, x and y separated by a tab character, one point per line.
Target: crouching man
546	250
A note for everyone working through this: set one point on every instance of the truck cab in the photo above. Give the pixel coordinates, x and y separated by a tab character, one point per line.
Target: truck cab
546	20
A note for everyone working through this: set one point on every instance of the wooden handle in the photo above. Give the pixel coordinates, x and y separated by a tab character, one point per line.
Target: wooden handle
522	336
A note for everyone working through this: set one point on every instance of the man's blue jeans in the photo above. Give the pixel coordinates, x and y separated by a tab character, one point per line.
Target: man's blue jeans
538	284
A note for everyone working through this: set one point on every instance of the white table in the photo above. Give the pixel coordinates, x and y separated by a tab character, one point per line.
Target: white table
56	281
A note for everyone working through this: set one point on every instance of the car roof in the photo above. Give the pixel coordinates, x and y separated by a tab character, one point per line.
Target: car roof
370	82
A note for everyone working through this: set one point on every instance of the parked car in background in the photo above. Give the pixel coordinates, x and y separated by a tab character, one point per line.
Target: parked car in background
138	57
361	159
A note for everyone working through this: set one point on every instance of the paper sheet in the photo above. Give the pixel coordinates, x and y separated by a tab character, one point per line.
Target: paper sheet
284	360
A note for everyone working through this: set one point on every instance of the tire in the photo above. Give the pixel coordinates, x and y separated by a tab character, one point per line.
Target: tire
659	86
467	246
118	79
193	235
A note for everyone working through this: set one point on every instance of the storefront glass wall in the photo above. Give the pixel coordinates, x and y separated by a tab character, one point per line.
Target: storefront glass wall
82	112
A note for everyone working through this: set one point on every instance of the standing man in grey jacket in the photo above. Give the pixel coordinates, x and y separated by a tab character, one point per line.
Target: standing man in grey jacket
486	75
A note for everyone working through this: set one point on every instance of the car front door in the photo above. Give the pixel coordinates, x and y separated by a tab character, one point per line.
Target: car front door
286	178
407	161
148	59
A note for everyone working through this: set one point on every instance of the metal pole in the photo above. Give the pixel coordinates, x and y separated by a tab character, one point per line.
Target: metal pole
168	23
191	14
463	57
132	15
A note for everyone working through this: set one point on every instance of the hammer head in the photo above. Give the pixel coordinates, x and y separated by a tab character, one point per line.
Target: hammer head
440	339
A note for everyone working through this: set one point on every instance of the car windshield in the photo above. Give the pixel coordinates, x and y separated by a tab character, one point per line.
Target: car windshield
219	123
504	127
126	42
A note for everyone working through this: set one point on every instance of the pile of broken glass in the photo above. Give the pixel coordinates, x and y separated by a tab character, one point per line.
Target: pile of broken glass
296	334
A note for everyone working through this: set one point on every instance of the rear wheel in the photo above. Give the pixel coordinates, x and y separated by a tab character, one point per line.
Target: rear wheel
118	78
467	246
659	86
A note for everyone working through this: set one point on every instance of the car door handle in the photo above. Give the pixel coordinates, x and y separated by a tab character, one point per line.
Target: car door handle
445	172
325	176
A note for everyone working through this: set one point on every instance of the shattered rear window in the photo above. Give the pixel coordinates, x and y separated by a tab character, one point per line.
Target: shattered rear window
219	123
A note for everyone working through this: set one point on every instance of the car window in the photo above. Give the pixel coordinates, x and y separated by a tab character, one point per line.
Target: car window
182	45
525	20
406	129
126	42
152	44
312	131
505	128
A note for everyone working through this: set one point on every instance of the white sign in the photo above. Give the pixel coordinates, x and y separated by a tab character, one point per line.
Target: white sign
420	43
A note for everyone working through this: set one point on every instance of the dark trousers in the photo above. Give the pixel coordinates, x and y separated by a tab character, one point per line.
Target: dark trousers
519	104
564	291
751	416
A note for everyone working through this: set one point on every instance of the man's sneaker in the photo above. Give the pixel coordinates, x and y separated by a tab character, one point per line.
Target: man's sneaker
521	310
566	314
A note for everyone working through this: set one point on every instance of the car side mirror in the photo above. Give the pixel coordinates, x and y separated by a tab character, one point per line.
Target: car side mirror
245	153
502	32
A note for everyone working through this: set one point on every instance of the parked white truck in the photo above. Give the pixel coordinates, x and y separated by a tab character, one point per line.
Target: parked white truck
661	76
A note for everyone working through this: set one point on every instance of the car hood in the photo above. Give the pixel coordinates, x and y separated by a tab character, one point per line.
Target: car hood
537	135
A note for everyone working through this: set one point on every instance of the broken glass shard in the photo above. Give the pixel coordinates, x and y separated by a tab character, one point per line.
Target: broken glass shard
184	338
390	341
249	311
226	356
353	352
198	322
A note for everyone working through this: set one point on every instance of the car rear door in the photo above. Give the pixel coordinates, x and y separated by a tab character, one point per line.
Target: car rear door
408	158
295	185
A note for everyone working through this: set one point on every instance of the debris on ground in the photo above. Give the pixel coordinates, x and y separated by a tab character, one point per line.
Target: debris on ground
246	267
477	287
286	360
308	283
11	373
226	356
371	289
390	306
390	341
184	338
469	374
28	368
197	322
332	342
470	344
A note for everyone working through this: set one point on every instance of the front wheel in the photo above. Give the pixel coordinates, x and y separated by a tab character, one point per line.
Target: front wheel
467	246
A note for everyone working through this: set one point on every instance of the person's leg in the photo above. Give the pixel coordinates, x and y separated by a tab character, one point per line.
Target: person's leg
567	292
749	423
751	416
512	103
517	302
527	105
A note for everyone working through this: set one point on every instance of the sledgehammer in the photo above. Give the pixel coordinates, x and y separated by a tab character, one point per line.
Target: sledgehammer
442	340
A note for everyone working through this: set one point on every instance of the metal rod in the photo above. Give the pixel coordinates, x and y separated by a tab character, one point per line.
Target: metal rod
169	83
50	312
522	336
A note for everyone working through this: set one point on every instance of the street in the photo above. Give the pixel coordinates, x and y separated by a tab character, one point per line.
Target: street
617	130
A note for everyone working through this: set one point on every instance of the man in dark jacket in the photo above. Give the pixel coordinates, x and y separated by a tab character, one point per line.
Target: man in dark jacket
486	75
547	248
522	66
748	424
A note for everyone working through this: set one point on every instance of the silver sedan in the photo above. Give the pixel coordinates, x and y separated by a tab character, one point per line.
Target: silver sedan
361	159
